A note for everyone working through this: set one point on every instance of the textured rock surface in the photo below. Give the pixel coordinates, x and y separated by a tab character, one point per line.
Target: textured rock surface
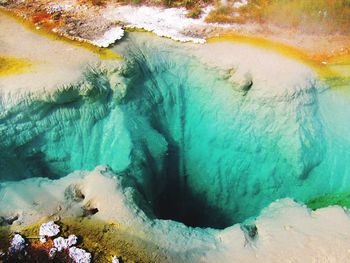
49	229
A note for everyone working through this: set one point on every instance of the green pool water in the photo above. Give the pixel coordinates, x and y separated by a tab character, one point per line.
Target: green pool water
197	150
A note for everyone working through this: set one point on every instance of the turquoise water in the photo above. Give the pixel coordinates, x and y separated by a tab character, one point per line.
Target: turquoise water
198	151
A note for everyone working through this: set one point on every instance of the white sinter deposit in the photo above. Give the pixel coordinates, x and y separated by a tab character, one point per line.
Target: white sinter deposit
109	37
165	22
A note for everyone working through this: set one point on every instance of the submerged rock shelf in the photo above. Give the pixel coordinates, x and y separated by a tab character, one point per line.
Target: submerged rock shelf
199	150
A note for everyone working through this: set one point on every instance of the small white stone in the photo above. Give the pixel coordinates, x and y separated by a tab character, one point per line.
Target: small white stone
49	229
115	259
79	255
43	239
17	244
52	252
71	240
239	4
60	243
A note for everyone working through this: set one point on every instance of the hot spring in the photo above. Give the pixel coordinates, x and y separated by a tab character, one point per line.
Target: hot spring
199	146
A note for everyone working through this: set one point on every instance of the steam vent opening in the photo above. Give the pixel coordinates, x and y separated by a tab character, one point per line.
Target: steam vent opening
199	147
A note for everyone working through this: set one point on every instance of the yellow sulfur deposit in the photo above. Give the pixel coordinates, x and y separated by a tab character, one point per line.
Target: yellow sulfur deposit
13	65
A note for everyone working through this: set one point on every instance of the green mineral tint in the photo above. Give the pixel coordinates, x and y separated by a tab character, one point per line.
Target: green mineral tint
198	151
341	199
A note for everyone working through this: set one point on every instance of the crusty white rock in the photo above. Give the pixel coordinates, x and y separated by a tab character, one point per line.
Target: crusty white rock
49	229
17	244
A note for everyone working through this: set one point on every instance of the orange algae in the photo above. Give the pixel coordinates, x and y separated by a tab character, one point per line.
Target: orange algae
13	65
328	68
45	30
